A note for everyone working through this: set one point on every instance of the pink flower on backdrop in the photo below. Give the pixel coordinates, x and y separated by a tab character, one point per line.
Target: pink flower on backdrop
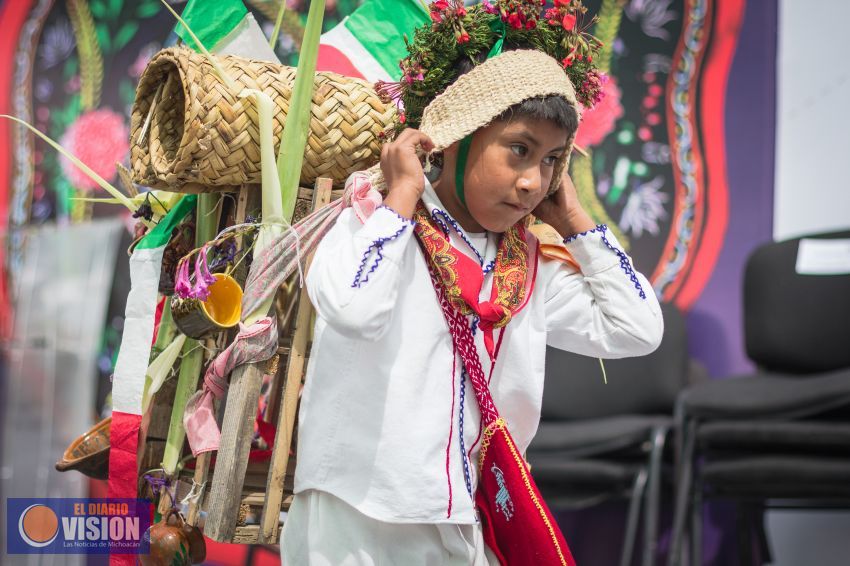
599	121
98	138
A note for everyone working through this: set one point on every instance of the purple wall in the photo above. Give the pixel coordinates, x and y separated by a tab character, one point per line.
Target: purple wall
715	320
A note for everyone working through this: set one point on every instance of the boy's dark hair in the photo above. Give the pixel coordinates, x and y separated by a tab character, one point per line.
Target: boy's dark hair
554	108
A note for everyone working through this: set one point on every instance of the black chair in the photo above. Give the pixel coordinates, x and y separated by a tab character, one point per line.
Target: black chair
600	441
781	435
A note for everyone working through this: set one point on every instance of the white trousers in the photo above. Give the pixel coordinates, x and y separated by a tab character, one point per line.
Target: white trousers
323	530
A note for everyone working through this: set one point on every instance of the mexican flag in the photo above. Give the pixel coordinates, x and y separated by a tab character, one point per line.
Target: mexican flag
225	27
369	43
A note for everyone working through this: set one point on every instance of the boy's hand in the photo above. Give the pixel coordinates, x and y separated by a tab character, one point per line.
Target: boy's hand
403	170
563	211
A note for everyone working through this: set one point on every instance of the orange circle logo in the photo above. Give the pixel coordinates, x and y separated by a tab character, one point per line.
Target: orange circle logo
38	525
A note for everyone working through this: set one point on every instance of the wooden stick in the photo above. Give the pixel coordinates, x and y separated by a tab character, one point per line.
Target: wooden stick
286	421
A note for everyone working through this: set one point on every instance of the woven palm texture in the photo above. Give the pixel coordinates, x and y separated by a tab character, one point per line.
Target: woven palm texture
191	133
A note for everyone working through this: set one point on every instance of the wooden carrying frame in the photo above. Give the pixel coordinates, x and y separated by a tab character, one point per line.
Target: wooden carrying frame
234	488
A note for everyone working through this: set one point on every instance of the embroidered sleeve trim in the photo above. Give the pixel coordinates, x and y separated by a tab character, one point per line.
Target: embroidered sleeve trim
376	247
625	264
574	237
400	217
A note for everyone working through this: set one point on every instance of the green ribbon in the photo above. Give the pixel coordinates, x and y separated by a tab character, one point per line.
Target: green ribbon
497	26
460	167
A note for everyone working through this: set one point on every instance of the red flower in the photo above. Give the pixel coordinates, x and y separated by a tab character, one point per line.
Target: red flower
99	138
461	11
440	5
531	24
569	22
515	21
463	38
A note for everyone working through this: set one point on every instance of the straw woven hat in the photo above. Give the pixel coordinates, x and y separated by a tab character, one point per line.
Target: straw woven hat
484	93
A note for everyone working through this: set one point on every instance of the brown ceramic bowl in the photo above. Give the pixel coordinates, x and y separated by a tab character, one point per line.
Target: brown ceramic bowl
89	454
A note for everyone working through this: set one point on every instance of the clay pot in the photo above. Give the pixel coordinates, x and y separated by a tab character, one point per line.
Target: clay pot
174	543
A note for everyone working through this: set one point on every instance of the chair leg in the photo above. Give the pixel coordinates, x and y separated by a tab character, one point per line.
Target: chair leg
683	489
696	524
638	490
765	554
653	497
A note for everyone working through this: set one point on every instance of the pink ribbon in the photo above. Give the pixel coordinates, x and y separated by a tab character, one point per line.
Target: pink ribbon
255	343
364	199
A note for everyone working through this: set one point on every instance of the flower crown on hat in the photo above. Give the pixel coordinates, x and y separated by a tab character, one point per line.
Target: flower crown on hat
477	32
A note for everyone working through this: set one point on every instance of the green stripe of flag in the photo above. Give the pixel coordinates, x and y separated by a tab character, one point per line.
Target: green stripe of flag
210	20
379	25
161	233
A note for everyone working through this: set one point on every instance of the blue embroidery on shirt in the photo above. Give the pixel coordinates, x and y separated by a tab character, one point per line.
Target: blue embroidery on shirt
599	228
441	217
378	245
625	264
466	475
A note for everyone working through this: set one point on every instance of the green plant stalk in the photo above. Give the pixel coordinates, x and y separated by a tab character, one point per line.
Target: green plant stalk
191	364
165	334
187	382
273	214
277	22
297	127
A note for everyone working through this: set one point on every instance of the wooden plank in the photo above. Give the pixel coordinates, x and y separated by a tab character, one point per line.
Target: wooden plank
237	430
270	519
237	427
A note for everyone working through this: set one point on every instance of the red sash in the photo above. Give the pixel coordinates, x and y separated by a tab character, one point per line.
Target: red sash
517	524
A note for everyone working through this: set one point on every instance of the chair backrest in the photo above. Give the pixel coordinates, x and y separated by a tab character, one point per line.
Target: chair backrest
793	323
649	384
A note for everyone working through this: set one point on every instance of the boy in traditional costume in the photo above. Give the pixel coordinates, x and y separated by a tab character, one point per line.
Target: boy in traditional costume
434	309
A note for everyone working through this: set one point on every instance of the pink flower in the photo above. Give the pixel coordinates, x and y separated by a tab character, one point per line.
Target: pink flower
599	121
489	8
203	277
98	138
182	283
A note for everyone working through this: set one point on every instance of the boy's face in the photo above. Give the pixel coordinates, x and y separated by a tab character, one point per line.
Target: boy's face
508	173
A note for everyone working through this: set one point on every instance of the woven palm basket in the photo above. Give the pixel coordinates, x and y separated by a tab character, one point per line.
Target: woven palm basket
190	133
